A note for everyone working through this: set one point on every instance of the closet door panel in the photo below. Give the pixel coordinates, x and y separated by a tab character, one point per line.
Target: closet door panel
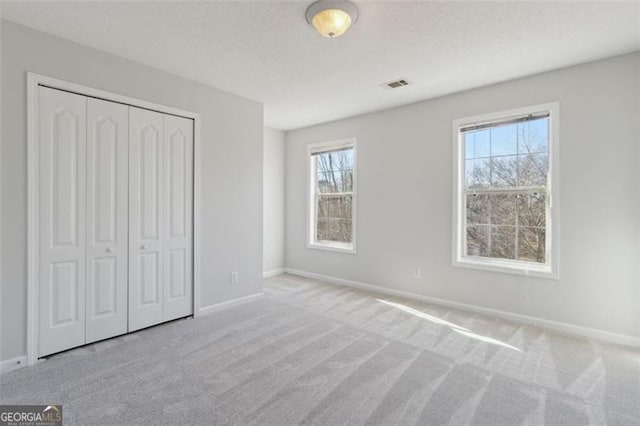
62	250
107	217
178	243
146	215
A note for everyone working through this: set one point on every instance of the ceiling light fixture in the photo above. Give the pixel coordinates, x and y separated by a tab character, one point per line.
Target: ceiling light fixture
332	18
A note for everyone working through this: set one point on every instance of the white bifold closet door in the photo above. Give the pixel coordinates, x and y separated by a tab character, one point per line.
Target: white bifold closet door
62	176
107	219
115	219
160	217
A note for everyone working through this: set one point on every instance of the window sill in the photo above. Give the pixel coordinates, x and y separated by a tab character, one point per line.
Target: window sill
335	247
516	268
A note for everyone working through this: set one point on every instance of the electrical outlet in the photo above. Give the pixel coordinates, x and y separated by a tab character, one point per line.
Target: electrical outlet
417	273
234	278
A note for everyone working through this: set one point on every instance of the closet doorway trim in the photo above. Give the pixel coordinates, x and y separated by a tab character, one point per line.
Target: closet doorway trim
33	82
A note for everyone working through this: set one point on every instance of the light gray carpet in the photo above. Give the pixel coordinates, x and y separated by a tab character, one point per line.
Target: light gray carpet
314	353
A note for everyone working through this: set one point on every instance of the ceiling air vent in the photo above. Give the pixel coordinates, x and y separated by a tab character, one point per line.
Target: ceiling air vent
396	83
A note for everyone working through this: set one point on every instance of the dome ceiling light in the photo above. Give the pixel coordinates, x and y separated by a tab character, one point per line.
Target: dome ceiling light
332	18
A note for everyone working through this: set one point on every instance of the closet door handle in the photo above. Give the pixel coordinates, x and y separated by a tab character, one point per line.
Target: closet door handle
143	247
109	250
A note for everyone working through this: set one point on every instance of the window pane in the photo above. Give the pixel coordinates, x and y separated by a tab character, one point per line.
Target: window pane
532	209
503	240
481	173
478	240
469	178
531	244
469	151
335	181
325	184
503	209
478	209
334	207
504	140
483	143
477	173
477	144
504	171
533	169
337	230
533	136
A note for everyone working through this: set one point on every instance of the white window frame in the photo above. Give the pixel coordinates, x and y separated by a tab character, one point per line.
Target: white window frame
349	248
549	269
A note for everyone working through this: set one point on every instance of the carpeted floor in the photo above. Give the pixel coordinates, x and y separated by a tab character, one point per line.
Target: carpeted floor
309	352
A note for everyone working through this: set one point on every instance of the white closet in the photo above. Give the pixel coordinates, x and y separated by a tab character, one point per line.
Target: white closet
116	219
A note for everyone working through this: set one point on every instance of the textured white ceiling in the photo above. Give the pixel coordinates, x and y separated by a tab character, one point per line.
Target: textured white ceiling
266	51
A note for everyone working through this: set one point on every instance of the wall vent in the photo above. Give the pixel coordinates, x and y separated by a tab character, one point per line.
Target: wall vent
396	83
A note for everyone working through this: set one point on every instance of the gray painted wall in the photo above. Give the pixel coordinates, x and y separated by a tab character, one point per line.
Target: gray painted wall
405	199
232	139
273	190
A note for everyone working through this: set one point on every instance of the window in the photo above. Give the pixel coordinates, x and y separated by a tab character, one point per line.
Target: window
504	219
332	168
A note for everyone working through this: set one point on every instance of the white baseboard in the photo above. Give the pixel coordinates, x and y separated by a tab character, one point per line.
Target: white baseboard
273	273
228	304
591	333
13	364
